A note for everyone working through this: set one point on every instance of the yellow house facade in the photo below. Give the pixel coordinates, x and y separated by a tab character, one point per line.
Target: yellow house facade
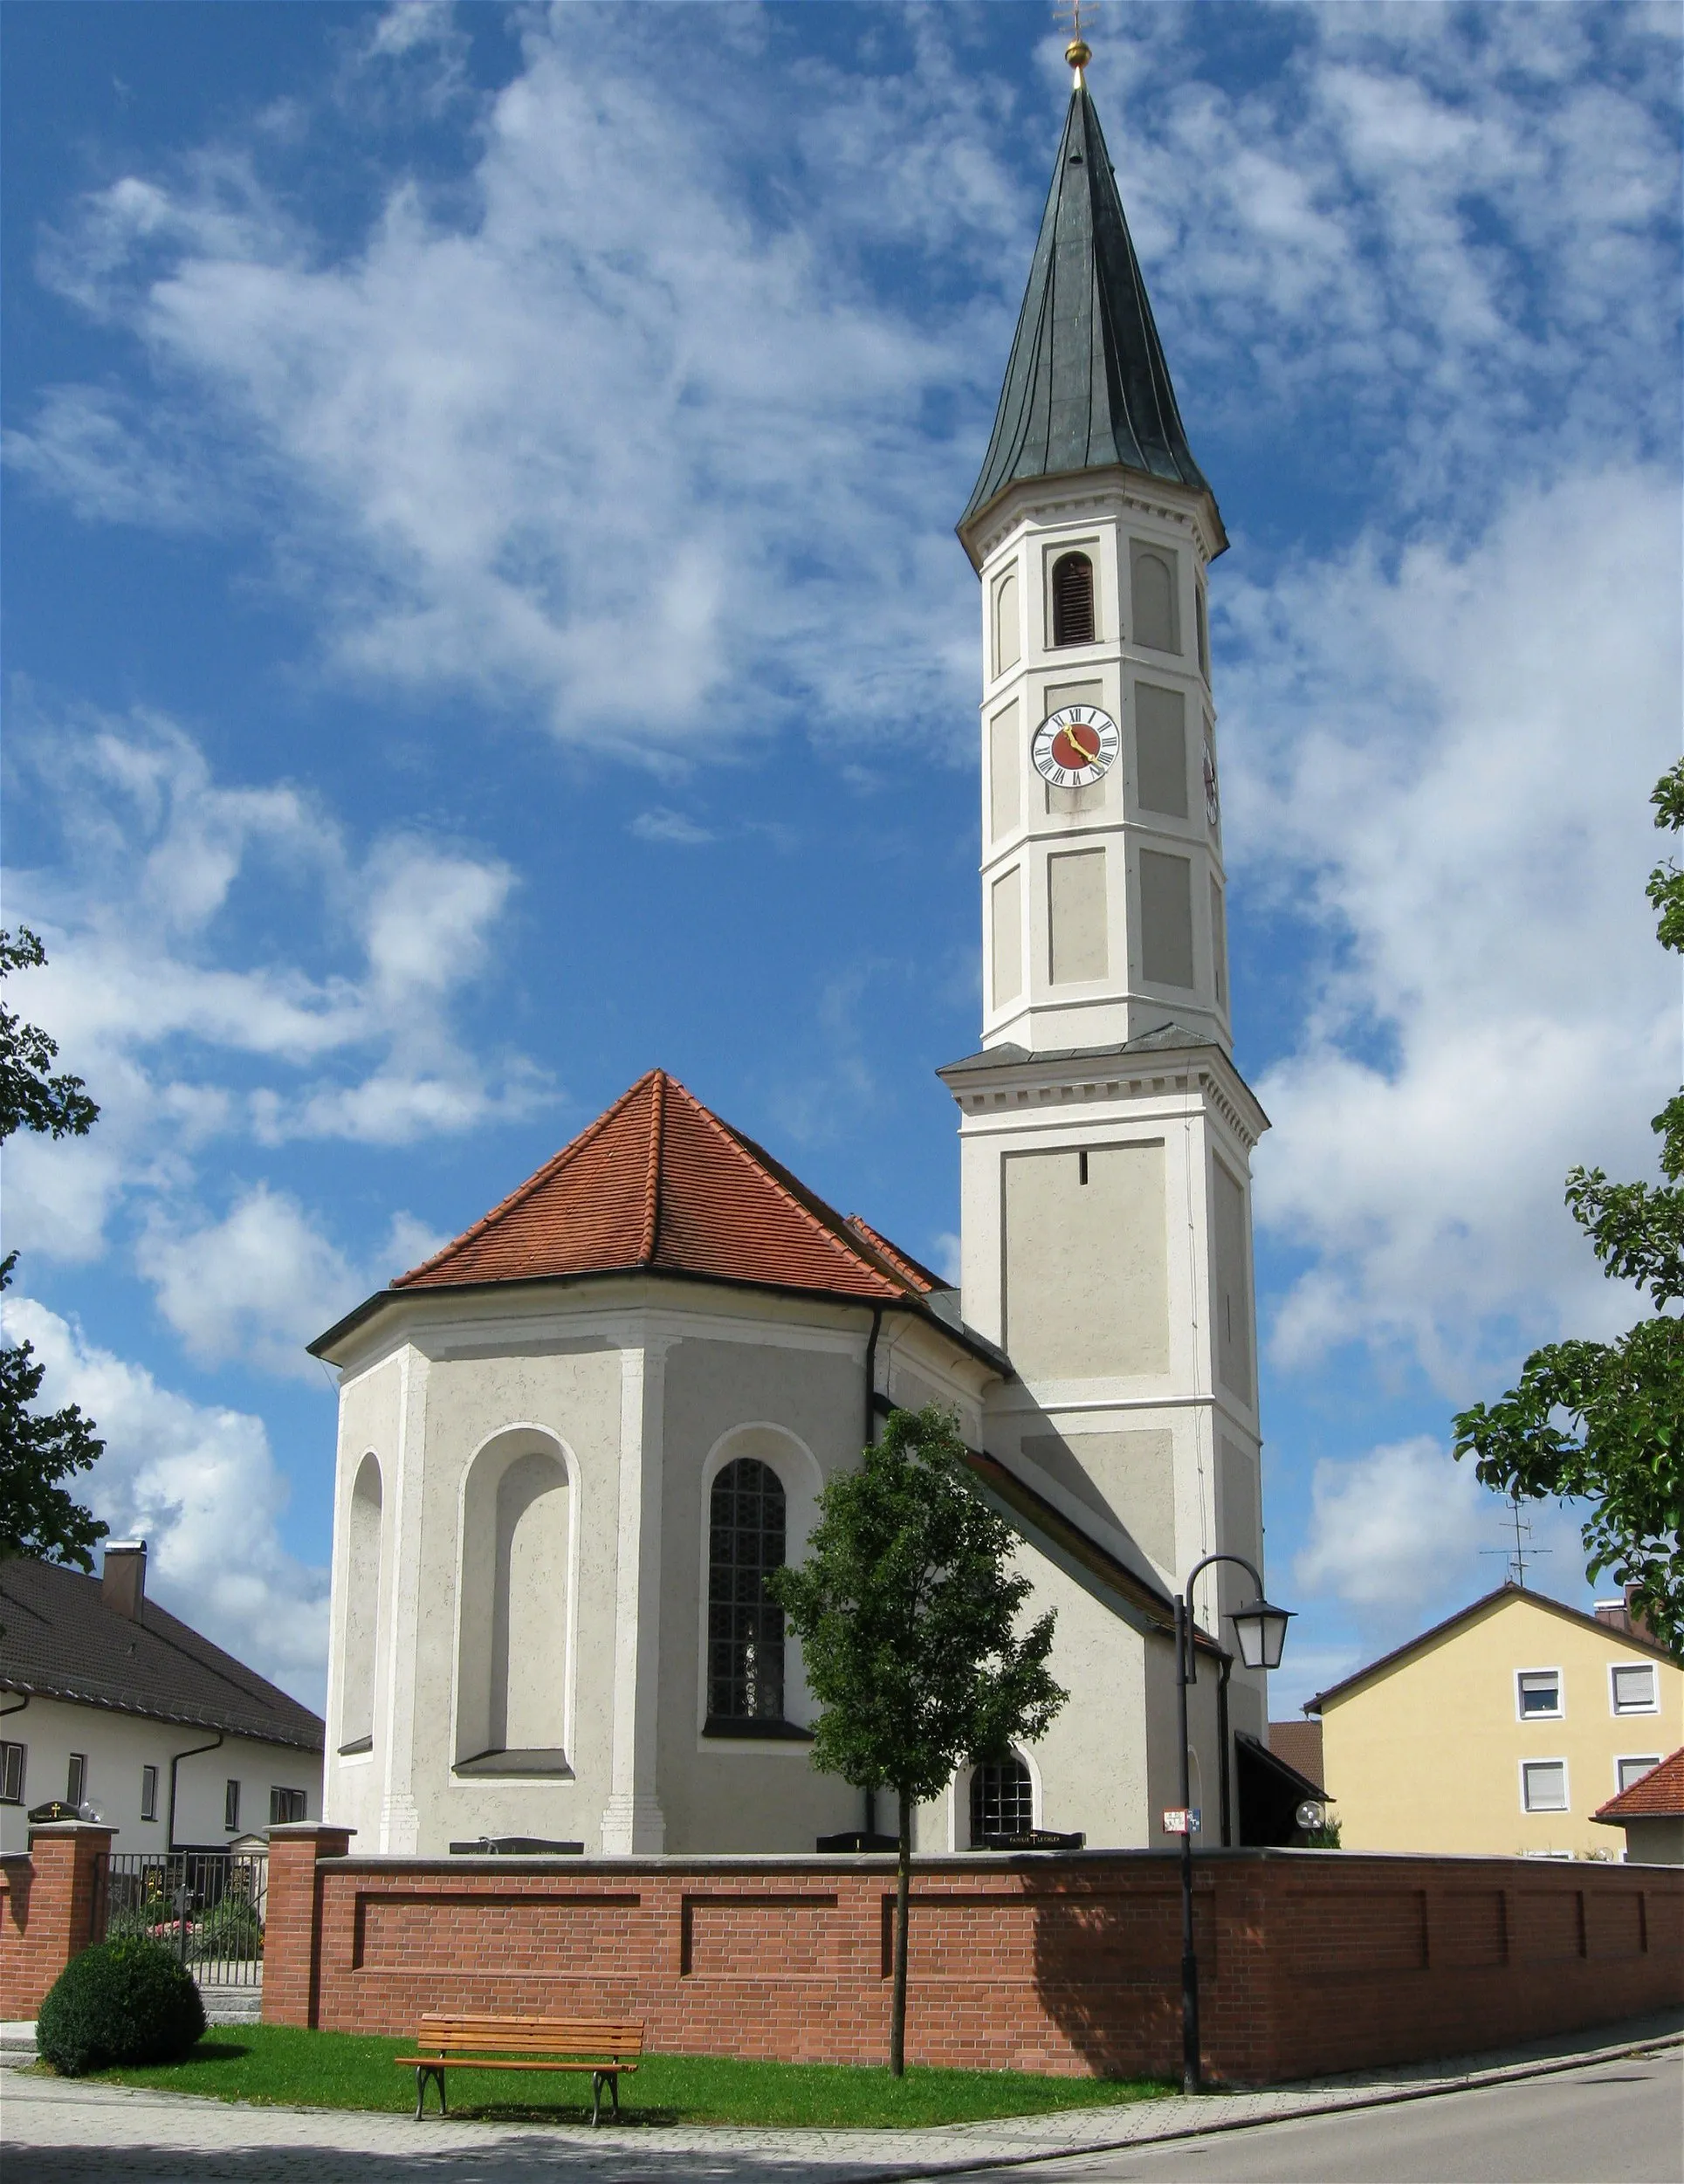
1501	1730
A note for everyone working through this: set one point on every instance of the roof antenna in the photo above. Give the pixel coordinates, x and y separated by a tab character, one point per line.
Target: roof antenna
1077	52
1522	1552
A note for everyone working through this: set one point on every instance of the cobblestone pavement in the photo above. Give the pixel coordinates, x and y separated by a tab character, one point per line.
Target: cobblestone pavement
58	2131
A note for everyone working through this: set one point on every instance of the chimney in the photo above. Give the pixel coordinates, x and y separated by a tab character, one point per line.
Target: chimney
122	1582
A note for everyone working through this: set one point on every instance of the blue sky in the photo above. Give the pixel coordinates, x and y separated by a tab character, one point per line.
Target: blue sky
483	618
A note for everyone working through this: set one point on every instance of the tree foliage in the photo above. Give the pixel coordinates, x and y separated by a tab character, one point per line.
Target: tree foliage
907	1612
1605	1421
29	1098
38	1450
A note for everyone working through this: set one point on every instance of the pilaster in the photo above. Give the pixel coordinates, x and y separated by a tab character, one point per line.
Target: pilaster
400	1817
633	1823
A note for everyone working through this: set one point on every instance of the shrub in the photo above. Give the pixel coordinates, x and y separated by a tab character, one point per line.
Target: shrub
120	2002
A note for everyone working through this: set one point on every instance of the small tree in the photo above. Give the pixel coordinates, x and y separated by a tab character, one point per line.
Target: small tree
1605	1421
907	1616
38	1450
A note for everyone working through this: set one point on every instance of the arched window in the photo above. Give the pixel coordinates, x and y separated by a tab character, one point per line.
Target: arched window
748	1528
1073	600
362	1608
1002	1800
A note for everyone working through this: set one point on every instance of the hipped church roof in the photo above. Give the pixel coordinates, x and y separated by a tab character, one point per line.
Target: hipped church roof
660	1183
1087	387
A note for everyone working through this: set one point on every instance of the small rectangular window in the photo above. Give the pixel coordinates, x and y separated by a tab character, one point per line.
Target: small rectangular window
285	1806
148	1793
12	1758
1627	1771
1543	1785
231	1805
76	1785
1539	1691
1633	1686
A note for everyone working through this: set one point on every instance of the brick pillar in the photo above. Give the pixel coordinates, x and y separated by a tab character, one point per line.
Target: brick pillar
48	1911
292	1931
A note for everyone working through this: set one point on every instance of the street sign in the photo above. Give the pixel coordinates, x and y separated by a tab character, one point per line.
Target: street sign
1181	1820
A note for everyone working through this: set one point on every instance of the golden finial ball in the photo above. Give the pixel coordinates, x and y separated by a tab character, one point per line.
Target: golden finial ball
1077	53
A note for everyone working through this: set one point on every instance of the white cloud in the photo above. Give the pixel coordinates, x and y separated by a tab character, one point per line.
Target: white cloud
1402	1536
625	431
1446	764
165	992
1387	1527
667	825
200	1485
264	1282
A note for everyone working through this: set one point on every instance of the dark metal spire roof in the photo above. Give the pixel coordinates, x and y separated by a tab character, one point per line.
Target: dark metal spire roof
1087	387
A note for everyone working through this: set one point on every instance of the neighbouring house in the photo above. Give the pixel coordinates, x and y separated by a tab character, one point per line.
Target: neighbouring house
111	1705
1299	1743
1652	1813
574	1442
1505	1728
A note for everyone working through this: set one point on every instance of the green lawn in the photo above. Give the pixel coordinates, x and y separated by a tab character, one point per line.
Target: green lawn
342	2070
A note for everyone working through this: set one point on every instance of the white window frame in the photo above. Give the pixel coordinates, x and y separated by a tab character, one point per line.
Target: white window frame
7	1748
1547	1812
149	1792
76	1779
1623	1713
1559	1711
1633	1759
231	1805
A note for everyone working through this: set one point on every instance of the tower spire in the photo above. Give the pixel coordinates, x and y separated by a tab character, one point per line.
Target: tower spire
1087	387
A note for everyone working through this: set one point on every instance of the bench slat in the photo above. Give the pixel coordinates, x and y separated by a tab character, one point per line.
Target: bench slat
471	2063
566	2031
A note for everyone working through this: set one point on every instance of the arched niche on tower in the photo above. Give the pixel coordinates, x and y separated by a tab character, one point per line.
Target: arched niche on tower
363	1606
514	1605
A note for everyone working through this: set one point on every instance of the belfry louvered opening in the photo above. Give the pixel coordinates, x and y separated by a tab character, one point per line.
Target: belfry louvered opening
1073	600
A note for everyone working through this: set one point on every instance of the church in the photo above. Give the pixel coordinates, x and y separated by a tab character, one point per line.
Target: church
572	1443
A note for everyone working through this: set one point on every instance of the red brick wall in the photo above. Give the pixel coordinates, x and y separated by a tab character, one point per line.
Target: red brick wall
47	1910
1310	1961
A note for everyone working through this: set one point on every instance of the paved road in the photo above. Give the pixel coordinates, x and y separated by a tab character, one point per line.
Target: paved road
1618	2123
1618	2118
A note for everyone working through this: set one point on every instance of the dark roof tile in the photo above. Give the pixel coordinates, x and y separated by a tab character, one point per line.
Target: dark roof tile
61	1641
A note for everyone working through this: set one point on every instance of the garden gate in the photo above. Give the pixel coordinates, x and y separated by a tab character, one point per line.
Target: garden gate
207	1905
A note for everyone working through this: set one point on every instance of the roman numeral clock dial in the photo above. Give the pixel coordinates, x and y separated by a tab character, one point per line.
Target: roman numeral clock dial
1075	746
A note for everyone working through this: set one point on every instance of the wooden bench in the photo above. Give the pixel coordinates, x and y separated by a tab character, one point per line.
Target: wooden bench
471	2042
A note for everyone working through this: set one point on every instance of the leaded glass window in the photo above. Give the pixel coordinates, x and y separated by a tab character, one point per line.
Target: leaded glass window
744	1629
1002	1799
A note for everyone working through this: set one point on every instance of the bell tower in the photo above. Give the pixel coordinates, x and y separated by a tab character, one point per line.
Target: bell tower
1105	1135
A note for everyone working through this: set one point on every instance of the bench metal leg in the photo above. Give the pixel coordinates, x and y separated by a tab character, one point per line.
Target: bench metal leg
422	2073
595	2097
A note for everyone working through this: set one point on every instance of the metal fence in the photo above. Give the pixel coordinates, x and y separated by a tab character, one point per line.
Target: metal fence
207	1905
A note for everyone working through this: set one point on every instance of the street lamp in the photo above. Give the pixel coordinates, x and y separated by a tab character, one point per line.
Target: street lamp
1262	1632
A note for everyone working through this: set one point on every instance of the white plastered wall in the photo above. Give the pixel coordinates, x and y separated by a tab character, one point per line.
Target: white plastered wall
118	1746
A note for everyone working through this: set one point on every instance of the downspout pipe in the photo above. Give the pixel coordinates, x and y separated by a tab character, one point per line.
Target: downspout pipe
870	1436
169	1833
871	1376
1222	1746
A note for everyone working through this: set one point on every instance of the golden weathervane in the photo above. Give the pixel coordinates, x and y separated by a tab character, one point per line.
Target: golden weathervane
1071	14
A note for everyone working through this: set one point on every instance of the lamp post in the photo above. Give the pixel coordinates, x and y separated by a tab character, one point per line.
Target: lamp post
1262	1632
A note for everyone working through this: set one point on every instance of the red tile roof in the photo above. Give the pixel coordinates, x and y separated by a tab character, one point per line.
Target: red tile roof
1657	1795
661	1181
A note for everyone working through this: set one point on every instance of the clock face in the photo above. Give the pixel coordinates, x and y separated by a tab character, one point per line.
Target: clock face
1075	746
